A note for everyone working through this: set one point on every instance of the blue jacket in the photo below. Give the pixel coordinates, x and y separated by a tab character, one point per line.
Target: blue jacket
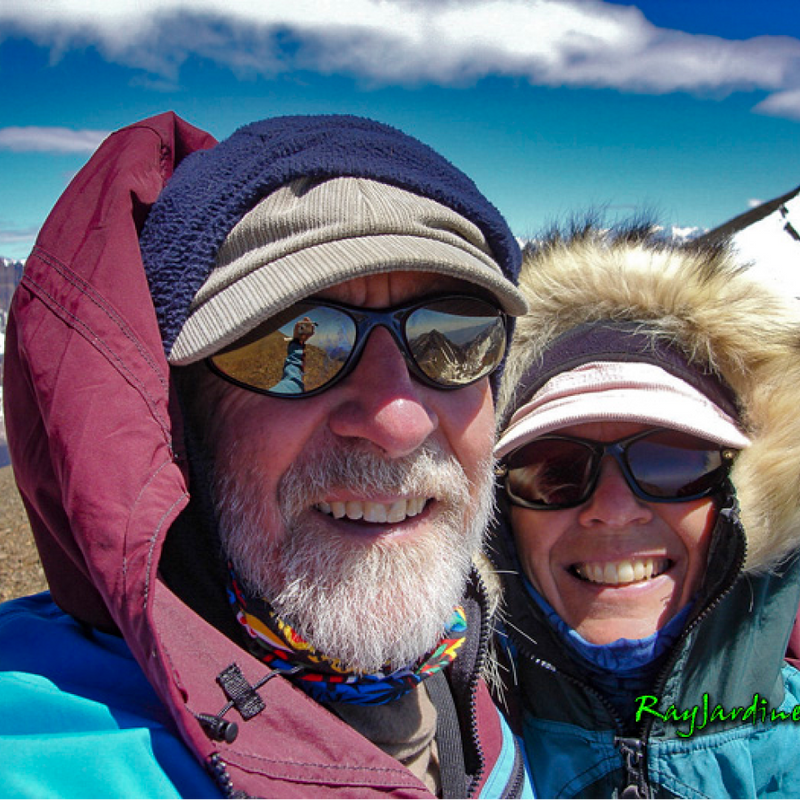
728	663
80	716
87	723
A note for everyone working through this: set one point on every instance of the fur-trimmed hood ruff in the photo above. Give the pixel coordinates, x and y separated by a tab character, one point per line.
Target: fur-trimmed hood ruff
722	319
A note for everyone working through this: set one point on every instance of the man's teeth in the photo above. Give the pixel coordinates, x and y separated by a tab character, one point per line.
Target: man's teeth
621	572
374	512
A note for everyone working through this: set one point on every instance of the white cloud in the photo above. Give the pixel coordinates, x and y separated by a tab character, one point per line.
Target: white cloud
754	202
16	243
781	104
679	233
686	233
449	42
9	236
50	140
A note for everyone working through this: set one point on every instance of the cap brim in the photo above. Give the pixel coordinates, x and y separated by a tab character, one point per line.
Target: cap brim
673	404
263	291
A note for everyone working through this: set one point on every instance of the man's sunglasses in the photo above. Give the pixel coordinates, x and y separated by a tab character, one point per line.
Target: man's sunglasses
448	342
661	466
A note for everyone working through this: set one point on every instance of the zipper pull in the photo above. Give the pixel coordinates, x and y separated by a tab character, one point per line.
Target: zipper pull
633	754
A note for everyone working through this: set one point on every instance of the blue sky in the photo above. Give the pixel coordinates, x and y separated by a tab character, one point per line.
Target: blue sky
687	108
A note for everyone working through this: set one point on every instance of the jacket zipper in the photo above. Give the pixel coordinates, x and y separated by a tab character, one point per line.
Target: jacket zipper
473	685
633	754
513	787
733	573
634	750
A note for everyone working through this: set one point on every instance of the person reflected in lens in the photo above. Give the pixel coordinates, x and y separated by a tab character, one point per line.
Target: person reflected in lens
648	533
294	366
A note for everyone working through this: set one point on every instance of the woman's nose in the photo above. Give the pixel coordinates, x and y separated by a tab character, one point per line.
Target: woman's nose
613	503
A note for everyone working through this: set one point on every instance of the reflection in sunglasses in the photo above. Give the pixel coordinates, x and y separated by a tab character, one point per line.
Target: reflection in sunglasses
447	342
440	357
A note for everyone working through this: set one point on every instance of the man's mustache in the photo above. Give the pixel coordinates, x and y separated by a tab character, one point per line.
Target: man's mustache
429	471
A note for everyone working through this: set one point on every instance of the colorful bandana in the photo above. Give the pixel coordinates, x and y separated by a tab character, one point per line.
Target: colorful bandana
281	648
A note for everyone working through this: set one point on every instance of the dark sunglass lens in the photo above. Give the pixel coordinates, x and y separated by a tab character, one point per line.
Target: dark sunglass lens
672	465
456	341
295	352
551	472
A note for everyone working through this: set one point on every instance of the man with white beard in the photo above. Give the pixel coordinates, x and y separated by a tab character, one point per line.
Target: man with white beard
332	298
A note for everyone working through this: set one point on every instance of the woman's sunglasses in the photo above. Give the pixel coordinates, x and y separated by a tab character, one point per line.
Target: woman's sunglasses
661	466
448	342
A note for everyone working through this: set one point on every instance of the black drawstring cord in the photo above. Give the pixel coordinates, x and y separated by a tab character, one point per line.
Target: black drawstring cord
242	696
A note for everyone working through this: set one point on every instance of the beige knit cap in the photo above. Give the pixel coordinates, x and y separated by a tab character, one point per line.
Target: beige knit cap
311	234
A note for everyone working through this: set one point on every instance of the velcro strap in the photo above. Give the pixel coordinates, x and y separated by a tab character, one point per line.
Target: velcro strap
243	696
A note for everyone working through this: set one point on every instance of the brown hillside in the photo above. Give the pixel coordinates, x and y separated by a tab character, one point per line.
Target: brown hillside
20	570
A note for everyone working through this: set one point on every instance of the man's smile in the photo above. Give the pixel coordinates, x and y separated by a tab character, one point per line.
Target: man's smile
372	511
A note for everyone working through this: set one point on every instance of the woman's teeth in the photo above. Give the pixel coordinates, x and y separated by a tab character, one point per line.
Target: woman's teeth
374	512
616	573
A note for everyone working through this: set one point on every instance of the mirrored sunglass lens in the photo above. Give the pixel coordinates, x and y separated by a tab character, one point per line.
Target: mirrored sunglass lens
456	340
551	472
295	352
674	465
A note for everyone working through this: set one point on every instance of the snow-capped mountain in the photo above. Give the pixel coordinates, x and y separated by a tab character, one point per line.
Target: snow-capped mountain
10	275
767	239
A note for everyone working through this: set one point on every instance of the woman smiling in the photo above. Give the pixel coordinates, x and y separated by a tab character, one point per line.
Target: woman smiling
649	453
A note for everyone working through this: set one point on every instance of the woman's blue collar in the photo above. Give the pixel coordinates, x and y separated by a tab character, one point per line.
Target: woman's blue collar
622	656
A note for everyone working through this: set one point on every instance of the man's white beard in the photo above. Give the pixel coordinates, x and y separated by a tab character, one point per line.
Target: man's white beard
370	604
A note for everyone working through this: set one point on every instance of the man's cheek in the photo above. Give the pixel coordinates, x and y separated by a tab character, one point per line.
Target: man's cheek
475	444
468	406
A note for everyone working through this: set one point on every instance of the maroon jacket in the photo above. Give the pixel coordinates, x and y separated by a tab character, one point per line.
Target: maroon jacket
96	444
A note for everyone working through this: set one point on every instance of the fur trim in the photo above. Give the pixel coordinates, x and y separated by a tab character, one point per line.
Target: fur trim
720	316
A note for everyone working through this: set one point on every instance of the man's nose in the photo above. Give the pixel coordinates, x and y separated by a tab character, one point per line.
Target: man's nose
380	403
613	503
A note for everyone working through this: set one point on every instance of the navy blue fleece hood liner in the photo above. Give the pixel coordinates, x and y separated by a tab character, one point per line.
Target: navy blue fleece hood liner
212	190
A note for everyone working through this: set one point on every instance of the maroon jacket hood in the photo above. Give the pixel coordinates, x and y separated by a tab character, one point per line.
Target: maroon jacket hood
87	384
95	441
